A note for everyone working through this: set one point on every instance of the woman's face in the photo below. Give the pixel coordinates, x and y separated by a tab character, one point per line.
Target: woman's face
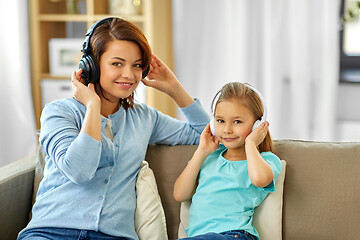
120	69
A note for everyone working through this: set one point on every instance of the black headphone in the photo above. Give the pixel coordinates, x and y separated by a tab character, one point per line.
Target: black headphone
91	70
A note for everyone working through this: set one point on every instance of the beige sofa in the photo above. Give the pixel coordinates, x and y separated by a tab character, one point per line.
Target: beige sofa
321	190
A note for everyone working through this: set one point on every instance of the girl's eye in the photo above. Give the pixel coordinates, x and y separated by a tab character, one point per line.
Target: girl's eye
237	121
138	65
219	120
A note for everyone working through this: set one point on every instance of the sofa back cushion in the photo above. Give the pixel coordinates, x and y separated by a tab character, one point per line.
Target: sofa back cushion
321	196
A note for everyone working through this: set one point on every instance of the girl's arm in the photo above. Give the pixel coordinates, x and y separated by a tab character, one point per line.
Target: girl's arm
260	172
163	79
186	183
88	97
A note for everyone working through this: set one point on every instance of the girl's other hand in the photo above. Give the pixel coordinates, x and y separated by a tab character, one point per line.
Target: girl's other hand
258	135
208	143
84	94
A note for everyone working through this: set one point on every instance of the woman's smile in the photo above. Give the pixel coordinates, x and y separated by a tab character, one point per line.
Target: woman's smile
125	85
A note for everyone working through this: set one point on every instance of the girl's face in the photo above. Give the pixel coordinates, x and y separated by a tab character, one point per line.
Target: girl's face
233	123
121	69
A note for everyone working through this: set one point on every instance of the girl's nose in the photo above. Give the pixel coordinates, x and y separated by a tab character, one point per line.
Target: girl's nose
228	128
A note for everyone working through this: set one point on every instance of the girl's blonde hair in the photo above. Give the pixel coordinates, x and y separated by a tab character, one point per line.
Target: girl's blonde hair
241	92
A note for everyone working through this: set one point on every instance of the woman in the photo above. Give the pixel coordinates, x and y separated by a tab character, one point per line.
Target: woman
96	141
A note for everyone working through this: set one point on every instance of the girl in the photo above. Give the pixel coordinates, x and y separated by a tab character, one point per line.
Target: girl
232	173
96	141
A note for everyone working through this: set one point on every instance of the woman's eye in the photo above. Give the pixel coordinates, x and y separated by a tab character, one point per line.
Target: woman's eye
117	64
220	121
138	65
237	121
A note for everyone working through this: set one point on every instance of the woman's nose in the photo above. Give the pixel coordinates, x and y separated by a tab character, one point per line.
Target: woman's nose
127	72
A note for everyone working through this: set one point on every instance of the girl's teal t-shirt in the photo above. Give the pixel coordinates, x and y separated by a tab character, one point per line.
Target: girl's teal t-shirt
225	199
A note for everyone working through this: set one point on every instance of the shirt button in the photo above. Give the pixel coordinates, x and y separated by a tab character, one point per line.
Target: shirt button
106	181
94	218
111	163
101	198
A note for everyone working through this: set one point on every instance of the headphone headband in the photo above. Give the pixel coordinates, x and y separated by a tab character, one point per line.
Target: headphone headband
86	45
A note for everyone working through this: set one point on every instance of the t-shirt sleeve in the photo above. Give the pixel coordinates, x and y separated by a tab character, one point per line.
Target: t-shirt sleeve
276	167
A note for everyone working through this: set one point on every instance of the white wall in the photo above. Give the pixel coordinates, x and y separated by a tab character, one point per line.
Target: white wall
348	112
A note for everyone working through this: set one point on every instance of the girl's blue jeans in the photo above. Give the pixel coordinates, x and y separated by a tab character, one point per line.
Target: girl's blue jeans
230	235
64	234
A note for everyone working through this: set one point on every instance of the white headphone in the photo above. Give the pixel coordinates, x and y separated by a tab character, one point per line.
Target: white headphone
256	123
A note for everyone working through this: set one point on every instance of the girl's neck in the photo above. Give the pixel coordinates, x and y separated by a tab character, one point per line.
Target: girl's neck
235	154
108	107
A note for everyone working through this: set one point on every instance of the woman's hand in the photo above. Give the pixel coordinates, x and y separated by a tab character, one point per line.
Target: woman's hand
163	79
258	135
84	94
208	143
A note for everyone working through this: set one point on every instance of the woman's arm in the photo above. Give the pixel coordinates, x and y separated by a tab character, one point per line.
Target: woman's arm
260	172
186	183
76	152
163	79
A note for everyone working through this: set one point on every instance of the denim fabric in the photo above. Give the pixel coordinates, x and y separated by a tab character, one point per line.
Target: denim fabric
64	234
229	235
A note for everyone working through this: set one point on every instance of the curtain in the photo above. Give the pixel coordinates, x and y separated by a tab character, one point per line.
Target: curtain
17	123
287	49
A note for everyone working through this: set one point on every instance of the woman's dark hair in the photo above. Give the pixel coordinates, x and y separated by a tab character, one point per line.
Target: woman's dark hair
119	29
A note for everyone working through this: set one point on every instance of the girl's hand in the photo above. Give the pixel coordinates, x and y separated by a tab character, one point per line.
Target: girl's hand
163	79
208	143
258	135
84	94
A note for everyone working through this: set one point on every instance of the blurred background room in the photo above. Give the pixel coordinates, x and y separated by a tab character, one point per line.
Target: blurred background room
304	56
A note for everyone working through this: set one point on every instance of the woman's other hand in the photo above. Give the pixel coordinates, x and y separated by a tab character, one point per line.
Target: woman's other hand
163	79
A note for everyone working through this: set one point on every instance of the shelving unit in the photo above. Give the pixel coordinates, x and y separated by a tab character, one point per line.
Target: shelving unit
49	19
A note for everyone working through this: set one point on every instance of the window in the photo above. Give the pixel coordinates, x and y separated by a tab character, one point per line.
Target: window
350	41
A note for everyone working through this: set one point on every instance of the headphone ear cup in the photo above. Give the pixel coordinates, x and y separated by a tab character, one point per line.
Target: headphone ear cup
145	72
91	71
212	126
256	124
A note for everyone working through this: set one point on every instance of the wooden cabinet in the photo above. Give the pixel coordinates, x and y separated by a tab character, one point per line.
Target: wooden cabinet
53	18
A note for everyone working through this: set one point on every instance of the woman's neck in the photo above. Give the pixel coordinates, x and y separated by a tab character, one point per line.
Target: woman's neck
108	107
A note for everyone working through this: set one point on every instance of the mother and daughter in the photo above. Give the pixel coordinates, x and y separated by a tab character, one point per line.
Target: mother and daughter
95	143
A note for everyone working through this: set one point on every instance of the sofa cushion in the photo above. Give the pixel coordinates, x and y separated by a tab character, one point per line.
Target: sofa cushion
267	216
150	222
321	196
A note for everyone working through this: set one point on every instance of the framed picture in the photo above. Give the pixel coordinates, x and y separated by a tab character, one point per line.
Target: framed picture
64	55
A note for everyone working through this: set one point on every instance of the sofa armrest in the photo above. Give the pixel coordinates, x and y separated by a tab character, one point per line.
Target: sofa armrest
16	190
